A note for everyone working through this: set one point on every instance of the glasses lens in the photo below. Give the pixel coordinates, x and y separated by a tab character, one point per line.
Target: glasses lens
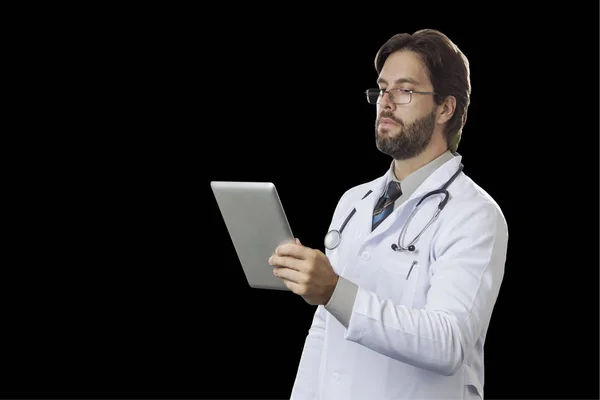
373	96
399	96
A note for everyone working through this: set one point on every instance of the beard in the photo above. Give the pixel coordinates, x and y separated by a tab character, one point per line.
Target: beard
410	140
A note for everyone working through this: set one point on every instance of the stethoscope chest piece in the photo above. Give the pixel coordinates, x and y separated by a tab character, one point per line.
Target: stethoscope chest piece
332	239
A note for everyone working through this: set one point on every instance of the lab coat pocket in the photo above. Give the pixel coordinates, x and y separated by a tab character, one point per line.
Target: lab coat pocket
398	279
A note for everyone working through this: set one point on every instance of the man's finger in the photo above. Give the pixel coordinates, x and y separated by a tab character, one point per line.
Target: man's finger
289	274
294	287
287	262
293	250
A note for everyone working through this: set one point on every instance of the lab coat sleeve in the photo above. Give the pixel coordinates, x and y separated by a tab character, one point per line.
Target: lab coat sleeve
470	254
305	384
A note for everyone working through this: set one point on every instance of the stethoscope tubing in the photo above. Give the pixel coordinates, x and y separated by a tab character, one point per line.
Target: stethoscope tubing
335	235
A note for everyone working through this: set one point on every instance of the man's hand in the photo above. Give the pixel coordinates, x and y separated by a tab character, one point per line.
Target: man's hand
305	271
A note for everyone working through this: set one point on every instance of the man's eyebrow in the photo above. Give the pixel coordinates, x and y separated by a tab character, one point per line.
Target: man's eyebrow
398	81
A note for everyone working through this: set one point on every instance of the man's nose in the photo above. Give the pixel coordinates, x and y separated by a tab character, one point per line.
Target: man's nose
386	100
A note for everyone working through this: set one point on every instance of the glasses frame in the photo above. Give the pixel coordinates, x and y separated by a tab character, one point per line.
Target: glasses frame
406	91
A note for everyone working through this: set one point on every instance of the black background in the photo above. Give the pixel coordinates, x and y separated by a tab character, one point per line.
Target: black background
128	285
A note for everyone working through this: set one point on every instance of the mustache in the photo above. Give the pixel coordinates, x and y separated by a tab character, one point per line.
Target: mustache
390	116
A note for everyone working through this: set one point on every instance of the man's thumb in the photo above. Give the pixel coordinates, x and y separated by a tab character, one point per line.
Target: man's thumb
298	242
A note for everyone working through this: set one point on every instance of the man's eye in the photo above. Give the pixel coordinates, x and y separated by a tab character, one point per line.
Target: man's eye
400	90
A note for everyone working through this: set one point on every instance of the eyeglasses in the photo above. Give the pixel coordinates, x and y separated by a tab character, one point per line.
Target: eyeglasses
397	96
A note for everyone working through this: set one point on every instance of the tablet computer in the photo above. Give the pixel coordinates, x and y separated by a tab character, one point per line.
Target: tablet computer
257	225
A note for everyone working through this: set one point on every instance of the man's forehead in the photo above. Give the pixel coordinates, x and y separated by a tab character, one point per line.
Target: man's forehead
401	67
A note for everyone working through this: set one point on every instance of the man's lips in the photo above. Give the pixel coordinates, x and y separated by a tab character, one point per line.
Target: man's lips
387	121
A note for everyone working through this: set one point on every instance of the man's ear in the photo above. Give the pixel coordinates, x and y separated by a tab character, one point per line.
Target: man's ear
446	109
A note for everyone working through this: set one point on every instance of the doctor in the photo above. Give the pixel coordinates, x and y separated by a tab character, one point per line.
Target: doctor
409	278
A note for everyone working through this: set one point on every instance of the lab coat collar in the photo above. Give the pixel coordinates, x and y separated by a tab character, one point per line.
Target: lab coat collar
438	178
412	182
430	177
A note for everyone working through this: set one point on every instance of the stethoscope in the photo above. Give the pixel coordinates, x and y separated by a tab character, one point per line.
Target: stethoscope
334	236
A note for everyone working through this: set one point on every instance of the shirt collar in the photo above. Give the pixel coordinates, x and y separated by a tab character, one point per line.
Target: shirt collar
414	180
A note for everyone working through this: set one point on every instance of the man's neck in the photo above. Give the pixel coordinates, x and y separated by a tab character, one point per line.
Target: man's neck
403	168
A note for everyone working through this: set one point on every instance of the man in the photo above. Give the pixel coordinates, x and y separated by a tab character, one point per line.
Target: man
398	317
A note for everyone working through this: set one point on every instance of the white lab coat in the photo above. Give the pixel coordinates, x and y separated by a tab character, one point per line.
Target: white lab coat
415	338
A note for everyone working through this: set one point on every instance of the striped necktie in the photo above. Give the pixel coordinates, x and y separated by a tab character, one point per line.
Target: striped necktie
385	205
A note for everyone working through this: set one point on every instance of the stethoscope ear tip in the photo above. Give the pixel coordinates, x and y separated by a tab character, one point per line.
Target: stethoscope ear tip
409	248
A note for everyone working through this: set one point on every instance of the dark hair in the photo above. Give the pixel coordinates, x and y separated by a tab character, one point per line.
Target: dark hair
447	69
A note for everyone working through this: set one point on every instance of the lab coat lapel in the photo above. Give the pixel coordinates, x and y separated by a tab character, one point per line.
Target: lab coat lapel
364	210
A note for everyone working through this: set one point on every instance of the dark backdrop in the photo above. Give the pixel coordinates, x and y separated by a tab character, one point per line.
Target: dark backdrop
136	290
